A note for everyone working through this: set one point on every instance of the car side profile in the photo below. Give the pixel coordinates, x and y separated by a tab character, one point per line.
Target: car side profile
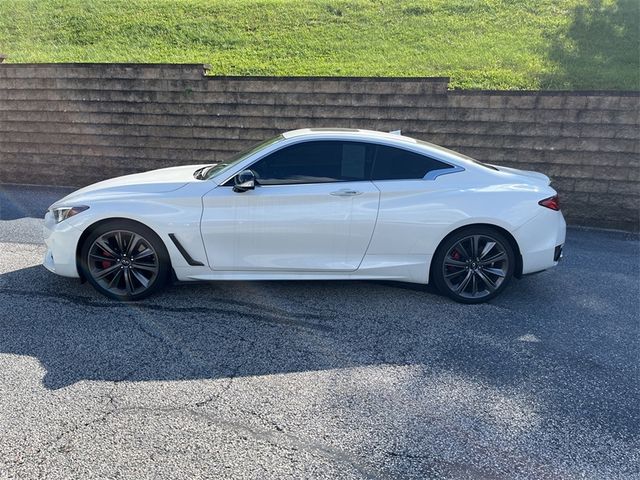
312	204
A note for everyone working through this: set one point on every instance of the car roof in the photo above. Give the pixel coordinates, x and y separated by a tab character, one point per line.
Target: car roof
365	134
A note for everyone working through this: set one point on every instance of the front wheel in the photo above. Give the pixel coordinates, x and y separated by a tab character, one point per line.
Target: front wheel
473	265
124	260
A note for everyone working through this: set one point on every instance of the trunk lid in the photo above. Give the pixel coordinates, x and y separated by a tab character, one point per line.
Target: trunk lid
528	174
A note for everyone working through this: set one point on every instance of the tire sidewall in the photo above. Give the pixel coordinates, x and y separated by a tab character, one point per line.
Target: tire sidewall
437	273
142	230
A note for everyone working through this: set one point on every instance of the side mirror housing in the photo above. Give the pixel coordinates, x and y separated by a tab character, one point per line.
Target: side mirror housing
245	180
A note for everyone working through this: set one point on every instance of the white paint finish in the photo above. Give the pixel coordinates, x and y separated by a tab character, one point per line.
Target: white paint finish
289	227
61	240
164	213
416	215
156	181
407	268
538	239
391	230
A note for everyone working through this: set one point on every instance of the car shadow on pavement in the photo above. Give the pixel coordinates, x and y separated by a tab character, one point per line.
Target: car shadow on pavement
533	340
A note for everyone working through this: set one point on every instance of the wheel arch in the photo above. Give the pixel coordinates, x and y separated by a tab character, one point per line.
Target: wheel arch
89	229
503	231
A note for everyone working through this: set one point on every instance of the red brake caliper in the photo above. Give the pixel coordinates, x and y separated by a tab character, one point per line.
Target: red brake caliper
456	256
106	263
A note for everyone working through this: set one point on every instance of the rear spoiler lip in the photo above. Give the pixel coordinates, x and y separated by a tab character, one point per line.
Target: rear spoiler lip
524	173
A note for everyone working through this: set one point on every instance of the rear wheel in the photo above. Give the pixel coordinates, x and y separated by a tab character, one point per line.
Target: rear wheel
473	265
124	260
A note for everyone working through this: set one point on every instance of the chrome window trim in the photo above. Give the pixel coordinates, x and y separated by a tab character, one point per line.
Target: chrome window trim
286	142
433	174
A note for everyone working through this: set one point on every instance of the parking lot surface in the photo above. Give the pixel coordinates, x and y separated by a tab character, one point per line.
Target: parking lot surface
318	379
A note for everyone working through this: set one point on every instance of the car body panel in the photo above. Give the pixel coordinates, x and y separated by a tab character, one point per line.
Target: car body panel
389	231
155	181
426	212
309	227
61	239
538	238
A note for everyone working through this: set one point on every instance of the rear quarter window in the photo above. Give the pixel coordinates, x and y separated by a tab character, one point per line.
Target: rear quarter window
390	163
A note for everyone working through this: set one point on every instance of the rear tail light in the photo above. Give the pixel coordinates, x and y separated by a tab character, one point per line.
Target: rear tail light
552	202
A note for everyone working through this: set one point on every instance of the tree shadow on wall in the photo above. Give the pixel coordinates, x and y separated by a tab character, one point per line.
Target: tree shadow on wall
600	48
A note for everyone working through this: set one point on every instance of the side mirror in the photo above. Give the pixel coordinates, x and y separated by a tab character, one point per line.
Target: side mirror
245	180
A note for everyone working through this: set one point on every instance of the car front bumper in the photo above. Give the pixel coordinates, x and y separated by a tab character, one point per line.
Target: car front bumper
61	240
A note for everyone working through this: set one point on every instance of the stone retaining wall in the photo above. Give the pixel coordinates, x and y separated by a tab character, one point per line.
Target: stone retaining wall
74	124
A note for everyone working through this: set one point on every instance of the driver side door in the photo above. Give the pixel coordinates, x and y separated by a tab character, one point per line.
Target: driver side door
313	208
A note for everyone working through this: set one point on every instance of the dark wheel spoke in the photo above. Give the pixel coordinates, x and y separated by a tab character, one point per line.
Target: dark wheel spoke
455	274
494	271
475	246
144	281
106	248
133	242
464	283
102	257
454	263
103	273
499	257
142	266
462	250
127	281
120	243
145	253
487	248
490	285
116	277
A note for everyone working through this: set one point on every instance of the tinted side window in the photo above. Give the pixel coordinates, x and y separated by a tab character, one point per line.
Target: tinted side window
315	162
396	164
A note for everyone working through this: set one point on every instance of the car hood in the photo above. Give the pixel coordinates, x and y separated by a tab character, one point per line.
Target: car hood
528	174
154	181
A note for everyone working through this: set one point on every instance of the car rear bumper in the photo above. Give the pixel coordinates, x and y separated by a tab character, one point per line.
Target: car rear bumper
541	241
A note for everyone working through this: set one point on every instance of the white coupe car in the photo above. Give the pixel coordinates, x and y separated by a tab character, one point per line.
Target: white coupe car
312	204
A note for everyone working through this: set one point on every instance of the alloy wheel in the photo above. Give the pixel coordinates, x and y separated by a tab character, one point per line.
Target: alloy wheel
123	262
475	266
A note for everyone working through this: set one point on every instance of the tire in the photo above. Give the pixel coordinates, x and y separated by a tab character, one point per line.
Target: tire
473	265
119	269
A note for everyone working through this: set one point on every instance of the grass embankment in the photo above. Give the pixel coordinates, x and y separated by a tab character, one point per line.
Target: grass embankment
504	44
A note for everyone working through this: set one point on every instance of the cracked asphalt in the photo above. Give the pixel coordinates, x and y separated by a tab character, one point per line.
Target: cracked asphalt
318	379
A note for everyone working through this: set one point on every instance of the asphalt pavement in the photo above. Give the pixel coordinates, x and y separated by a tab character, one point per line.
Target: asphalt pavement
318	379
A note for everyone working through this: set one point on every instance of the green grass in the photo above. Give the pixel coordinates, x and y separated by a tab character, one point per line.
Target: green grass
498	44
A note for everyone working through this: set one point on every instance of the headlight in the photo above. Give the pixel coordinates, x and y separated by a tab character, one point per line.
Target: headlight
62	213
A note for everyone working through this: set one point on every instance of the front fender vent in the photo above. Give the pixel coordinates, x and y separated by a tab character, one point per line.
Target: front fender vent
184	253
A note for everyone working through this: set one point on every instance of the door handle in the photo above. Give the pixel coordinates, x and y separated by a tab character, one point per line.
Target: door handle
345	193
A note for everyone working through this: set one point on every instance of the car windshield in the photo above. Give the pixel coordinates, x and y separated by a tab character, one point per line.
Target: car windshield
218	168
